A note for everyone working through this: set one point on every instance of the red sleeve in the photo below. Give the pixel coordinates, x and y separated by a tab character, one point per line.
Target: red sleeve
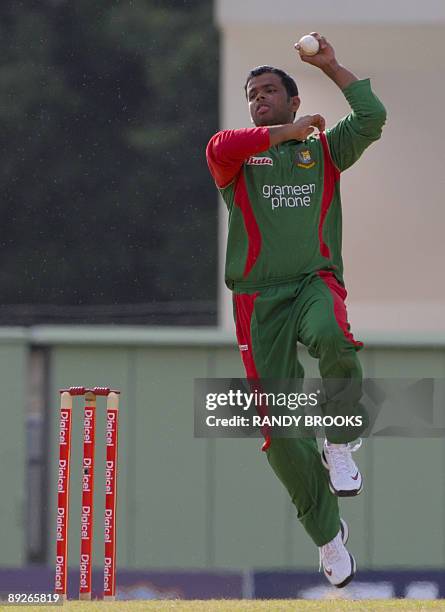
227	150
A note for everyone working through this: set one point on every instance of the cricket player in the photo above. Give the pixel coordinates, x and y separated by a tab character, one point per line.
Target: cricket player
280	181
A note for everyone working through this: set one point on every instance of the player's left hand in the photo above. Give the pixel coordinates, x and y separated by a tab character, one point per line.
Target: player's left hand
325	56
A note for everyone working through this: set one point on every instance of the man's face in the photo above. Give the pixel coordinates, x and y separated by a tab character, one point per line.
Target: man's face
269	102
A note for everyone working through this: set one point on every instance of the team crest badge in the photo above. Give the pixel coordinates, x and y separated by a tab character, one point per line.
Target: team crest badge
304	159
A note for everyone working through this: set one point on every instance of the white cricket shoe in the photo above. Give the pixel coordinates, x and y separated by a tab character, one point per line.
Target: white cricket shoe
345	479
338	564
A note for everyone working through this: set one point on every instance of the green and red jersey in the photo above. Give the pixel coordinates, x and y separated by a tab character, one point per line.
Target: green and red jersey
284	201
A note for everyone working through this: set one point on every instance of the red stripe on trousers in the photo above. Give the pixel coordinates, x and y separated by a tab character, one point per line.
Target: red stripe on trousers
331	176
244	305
243	202
339	293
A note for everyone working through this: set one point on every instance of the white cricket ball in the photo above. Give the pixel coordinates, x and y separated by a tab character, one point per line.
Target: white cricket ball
309	45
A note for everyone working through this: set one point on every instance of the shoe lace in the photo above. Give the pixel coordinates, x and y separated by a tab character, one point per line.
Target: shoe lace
329	553
341	455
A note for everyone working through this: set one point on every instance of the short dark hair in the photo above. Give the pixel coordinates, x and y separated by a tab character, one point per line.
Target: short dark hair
286	79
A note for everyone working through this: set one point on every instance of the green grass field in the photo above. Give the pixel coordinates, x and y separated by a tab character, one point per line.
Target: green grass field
230	605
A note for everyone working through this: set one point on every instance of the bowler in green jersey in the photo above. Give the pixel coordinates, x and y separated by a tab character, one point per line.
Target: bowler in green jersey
280	181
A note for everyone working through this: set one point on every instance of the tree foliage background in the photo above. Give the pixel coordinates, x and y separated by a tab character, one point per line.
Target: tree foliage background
105	111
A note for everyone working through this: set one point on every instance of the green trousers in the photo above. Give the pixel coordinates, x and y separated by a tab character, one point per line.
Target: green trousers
269	322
